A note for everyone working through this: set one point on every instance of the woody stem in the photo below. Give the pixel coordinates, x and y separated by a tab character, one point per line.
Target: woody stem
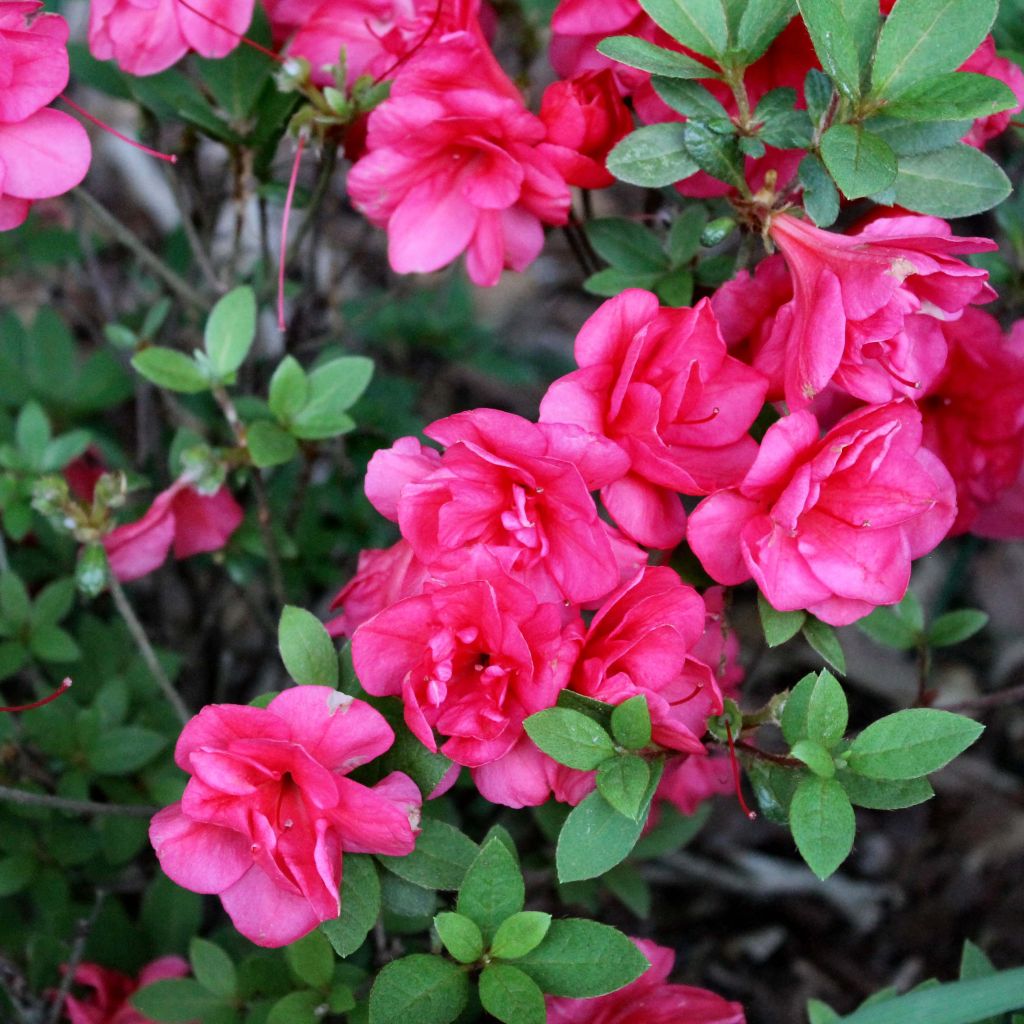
146	650
58	803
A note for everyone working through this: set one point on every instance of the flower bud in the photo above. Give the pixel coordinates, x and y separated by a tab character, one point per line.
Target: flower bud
92	573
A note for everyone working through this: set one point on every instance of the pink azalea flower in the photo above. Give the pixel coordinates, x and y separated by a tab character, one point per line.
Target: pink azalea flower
179	517
974	414
527	777
269	809
719	646
853	319
43	152
470	661
585	117
649	1000
688	781
108	1001
505	490
453	166
830	524
985	61
659	383
147	36
639	642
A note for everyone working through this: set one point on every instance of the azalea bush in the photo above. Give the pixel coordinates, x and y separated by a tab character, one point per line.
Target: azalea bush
491	493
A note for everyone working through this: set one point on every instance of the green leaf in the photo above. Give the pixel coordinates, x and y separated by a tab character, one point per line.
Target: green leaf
884	795
408	755
54	602
860	163
888	628
778	626
692	100
460	936
611	281
672	832
834	44
311	959
269	445
630	888
921	38
289	389
623	782
782	125
420	988
956	182
595	709
626	245
511	996
124	750
974	963
684	234
631	723
715	152
815	756
170	369
579	959
333	389
51	643
652	156
820	1013
307	649
596	837
958	1002
15	606
957	95
231	330
823	639
816	709
570	737
820	198
32	433
237	79
638	53
441	858
175	1001
16	872
170	915
955	627
213	968
64	449
360	904
675	289
911	743
519	934
821	819
912	138
761	22
296	1008
698	24
493	889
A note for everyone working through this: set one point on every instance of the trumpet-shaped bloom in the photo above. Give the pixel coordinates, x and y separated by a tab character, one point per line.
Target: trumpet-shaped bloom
830	524
269	809
659	383
454	165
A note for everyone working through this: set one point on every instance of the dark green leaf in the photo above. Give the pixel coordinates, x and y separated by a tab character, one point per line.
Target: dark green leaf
860	163
420	988
307	650
834	44
821	819
782	125
885	795
958	95
623	782
519	934
15	606
815	710
691	99
51	643
760	23
631	723
124	750
714	152
611	281
213	968
698	24
441	858
955	627
54	602
673	831
956	182
626	245
16	872
652	156
311	959
675	289
887	627
175	1001
815	756
912	138
460	936
638	53
360	905
820	198
269	445
778	626
170	369
511	996
570	737
493	889
296	1008
684	235
823	639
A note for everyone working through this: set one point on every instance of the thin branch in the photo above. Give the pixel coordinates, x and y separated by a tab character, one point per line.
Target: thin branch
146	650
84	927
328	162
989	700
59	803
199	253
142	252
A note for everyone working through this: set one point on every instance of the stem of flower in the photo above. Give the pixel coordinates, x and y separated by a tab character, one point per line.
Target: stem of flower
146	650
83	928
58	803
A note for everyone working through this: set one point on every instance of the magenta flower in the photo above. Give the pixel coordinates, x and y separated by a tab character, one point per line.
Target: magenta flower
111	990
855	314
269	811
659	383
985	61
453	166
830	524
43	152
179	517
511	493
649	1000
147	36
470	661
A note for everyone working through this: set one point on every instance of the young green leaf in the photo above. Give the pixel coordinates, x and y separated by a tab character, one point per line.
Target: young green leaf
822	822
652	156
888	628
956	182
460	936
570	737
611	281
441	859
289	389
821	1013
884	795
699	25
623	782
816	709
212	968
520	933
579	959
333	389
927	37
231	330
638	53
306	648
955	627
493	889
269	445
821	197
860	163
360	905
778	626
509	995
420	988
631	723
815	756
823	639
911	743
168	368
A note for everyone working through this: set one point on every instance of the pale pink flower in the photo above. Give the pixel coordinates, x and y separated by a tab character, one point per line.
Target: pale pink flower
180	518
43	152
830	524
651	999
108	1003
453	166
659	383
269	808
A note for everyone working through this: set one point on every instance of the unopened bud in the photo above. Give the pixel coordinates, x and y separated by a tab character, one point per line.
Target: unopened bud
717	231
92	573
51	496
110	491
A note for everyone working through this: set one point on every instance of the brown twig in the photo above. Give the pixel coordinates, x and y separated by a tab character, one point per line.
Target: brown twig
989	700
24	798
